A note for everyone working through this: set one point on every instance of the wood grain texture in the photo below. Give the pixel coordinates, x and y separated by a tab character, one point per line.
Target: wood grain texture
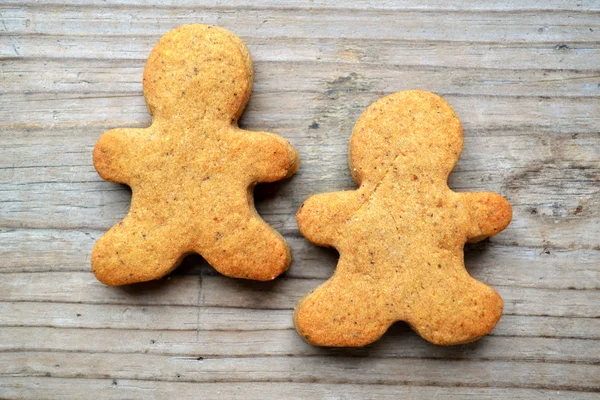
524	77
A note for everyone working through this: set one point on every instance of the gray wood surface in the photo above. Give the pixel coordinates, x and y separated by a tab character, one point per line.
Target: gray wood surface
524	77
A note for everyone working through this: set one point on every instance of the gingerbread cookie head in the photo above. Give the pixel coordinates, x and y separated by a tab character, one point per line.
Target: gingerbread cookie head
204	69
401	234
192	172
427	138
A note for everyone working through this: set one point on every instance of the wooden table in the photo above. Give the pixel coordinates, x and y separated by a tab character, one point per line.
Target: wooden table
524	77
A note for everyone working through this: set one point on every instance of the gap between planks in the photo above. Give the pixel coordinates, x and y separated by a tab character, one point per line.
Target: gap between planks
305	369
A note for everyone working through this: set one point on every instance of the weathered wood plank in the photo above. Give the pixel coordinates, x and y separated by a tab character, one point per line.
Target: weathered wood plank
46	250
160	317
217	344
125	76
84	288
217	291
531	26
107	388
66	250
392	53
324	369
181	318
342	104
483	5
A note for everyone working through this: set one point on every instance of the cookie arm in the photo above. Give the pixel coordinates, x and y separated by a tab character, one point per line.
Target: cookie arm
114	154
271	157
489	214
321	215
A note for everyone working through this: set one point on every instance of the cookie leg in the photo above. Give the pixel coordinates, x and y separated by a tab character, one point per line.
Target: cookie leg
252	250
465	315
343	312
136	251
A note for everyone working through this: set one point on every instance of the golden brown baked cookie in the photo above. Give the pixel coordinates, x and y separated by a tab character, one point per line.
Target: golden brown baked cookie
401	234
192	172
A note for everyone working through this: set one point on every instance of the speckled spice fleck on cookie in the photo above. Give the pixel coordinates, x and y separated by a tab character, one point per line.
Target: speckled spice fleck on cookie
401	234
192	172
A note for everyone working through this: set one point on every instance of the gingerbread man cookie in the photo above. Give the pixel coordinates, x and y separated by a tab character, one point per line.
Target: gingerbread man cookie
192	172
401	234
